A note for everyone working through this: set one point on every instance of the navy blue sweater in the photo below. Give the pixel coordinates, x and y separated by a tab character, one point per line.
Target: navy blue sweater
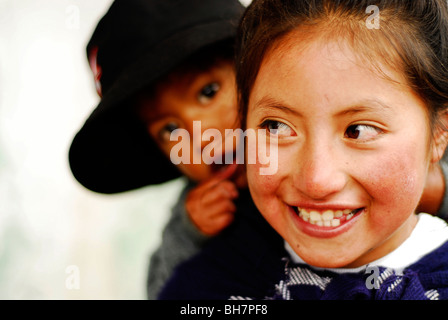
248	260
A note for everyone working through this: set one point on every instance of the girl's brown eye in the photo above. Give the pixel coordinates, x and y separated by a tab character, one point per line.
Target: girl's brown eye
277	128
362	132
352	132
208	92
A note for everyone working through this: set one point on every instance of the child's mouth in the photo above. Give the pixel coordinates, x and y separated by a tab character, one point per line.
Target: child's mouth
327	218
224	164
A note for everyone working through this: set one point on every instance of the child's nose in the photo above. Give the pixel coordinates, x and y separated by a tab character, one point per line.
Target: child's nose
319	173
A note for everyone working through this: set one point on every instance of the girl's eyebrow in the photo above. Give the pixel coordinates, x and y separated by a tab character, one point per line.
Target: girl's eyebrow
269	103
369	105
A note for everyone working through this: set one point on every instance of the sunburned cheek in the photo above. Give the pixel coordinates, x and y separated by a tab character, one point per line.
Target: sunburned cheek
264	184
396	185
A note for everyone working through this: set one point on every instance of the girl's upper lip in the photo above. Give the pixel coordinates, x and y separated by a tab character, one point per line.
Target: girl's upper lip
326	206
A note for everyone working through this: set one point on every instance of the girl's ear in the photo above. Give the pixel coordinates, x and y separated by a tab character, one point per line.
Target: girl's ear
440	137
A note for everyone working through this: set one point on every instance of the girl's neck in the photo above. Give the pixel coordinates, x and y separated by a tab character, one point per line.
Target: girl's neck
429	233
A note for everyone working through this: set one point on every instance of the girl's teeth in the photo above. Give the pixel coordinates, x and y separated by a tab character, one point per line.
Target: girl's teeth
315	216
328	215
305	215
328	218
335	222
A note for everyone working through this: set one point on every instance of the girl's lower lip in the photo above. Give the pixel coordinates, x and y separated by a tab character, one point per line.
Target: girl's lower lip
316	231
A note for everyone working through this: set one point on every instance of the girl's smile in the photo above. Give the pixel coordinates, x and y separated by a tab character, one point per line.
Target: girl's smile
325	223
354	148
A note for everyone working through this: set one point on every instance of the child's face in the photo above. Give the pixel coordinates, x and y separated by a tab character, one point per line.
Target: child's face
208	97
353	151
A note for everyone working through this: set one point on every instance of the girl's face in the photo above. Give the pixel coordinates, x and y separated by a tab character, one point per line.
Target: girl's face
353	153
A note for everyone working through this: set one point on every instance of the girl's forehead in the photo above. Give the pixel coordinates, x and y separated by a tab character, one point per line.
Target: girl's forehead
318	50
325	74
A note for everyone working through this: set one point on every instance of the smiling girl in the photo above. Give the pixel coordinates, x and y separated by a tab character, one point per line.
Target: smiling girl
360	118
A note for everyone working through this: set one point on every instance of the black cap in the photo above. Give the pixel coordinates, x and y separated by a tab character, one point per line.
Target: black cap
134	44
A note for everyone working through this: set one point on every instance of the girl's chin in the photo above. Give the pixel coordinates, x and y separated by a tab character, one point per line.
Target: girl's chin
329	259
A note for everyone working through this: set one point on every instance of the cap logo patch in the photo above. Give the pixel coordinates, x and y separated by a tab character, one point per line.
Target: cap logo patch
96	69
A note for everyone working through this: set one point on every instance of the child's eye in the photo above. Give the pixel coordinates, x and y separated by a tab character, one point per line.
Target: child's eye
362	132
277	128
165	132
208	92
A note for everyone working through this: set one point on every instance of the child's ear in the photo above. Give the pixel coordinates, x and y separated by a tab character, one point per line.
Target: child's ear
440	137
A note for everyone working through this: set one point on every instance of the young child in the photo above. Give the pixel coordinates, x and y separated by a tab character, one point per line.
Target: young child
360	116
159	65
202	89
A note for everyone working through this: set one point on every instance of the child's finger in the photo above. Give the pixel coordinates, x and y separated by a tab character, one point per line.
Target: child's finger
222	207
227	188
209	218
217	223
223	220
224	190
224	174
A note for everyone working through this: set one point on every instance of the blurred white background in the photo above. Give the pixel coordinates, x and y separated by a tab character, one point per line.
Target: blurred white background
57	239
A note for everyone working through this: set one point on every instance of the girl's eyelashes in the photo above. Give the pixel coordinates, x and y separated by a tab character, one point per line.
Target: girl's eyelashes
165	133
358	132
362	132
277	128
208	92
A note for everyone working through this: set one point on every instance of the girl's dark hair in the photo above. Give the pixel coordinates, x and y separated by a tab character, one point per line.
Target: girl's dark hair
412	38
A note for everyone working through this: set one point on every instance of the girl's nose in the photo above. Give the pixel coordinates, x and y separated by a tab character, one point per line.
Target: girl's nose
320	172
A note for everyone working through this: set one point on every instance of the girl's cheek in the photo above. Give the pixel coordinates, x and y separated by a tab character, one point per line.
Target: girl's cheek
263	189
260	184
262	165
395	184
266	188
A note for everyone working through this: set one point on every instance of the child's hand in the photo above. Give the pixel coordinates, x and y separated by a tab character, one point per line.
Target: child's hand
210	205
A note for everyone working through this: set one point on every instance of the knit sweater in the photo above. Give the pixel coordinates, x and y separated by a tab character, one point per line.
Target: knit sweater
241	260
425	280
249	261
